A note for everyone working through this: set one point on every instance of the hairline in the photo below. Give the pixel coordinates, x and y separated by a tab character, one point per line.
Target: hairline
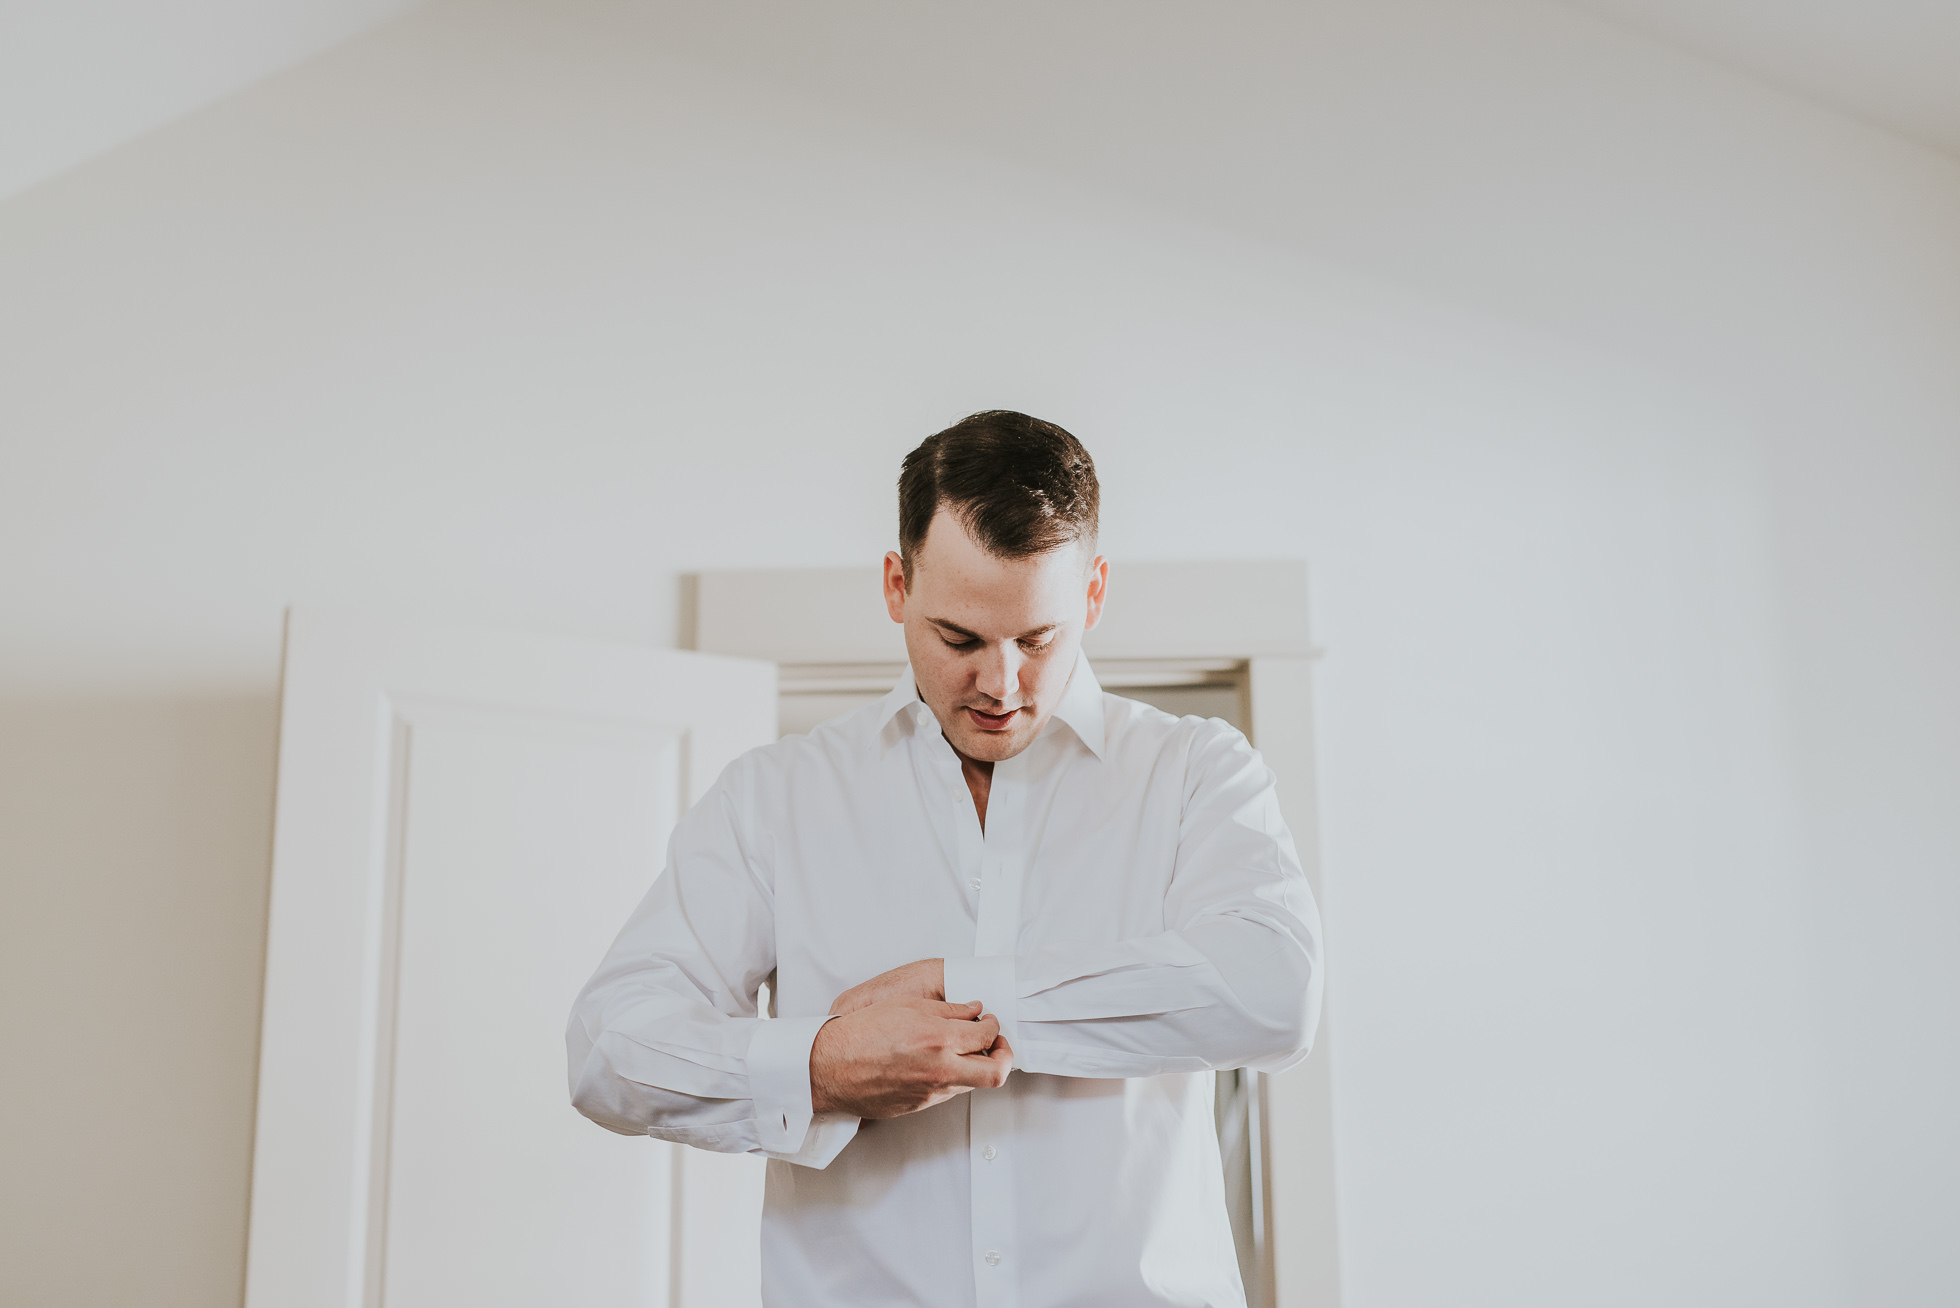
1088	539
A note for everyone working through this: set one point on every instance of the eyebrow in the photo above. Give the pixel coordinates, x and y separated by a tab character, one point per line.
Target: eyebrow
958	630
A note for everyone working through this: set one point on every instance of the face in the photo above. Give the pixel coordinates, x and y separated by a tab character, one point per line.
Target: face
992	640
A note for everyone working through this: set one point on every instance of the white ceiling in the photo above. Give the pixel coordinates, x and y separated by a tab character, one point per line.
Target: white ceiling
80	76
1893	63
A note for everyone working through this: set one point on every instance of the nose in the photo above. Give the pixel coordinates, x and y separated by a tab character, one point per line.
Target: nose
1000	673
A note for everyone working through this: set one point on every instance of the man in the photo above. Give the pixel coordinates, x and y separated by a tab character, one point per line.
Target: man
1011	924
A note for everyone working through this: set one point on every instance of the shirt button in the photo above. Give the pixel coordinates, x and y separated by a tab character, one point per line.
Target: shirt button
975	883
993	1257
990	1153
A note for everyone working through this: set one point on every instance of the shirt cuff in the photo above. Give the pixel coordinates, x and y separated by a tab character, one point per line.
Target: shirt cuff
829	1133
991	981
779	1081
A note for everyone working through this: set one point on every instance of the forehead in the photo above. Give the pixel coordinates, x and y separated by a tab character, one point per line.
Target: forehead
954	579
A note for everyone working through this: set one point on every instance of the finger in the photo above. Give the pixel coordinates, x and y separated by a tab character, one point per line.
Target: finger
1001	1059
975	1037
955	1012
977	1071
849	1001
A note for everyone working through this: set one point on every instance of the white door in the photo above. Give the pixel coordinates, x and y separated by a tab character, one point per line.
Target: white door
465	818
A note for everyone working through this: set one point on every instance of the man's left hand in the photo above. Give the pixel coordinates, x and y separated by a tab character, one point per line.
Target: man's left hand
925	979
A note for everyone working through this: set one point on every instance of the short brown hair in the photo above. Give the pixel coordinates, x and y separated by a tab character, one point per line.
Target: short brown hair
1020	486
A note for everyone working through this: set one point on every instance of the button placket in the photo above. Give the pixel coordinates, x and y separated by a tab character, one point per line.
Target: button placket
994	1217
970	841
991	1113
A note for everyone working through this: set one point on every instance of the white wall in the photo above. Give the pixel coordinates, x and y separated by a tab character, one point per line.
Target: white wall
81	76
1608	395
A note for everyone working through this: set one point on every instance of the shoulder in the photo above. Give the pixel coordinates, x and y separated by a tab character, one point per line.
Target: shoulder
1137	733
830	749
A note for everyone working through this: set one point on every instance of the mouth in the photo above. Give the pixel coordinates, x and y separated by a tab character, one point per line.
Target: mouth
990	721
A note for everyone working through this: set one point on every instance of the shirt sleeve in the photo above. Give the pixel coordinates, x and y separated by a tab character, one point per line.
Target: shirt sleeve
666	1039
1235	980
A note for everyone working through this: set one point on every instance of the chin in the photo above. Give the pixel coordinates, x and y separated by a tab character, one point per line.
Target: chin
984	747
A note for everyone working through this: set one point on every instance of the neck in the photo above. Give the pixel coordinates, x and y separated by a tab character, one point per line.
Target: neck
973	766
979	781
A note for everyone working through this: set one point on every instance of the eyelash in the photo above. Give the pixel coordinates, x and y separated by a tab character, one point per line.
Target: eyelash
1030	646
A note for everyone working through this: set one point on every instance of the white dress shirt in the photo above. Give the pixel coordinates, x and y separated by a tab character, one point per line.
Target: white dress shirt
1134	914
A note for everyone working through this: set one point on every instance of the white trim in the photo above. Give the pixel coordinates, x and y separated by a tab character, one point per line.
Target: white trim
1299	1102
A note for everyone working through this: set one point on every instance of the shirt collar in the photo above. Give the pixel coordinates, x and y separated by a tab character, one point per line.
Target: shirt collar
1080	709
903	695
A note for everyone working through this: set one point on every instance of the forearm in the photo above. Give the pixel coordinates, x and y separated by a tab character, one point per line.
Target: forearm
630	1107
656	1080
1235	978
1225	991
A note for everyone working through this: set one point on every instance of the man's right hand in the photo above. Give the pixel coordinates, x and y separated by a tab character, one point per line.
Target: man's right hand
889	1059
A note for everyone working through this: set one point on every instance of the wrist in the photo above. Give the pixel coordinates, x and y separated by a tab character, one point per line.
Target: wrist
820	1096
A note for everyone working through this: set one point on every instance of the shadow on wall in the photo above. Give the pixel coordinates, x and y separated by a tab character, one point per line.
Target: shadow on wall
135	839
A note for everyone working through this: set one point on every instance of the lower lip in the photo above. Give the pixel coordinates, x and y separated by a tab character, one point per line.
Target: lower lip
989	722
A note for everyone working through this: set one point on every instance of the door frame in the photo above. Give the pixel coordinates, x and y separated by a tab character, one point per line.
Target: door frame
1247	621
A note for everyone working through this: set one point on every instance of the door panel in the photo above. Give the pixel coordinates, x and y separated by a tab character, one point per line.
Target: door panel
525	843
465	818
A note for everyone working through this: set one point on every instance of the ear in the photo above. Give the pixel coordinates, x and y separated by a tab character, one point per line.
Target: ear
1098	588
895	586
